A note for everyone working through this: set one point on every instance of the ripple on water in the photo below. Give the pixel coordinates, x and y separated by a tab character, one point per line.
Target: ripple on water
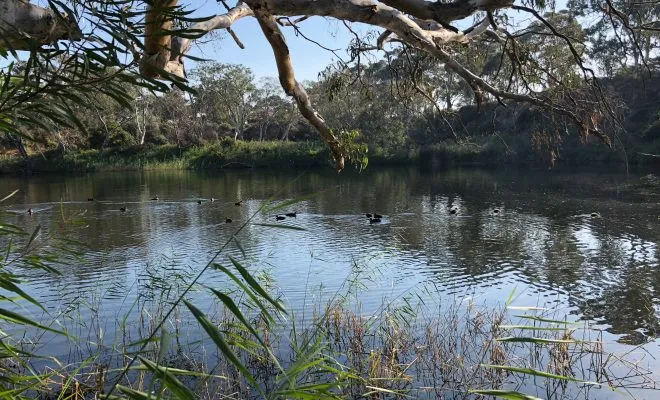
602	267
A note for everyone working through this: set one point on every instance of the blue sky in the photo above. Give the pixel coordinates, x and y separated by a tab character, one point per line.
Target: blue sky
308	58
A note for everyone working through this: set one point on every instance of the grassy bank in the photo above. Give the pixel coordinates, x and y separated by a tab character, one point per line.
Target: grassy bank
483	151
227	154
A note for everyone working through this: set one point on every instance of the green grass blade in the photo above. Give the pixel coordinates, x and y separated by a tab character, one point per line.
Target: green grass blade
246	290
34	235
255	285
293	228
10	195
540	319
215	335
239	245
534	328
543	374
19	319
505	394
132	394
291	202
229	303
11	287
171	382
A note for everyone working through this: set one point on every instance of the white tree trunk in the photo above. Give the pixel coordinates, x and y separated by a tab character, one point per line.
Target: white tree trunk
25	26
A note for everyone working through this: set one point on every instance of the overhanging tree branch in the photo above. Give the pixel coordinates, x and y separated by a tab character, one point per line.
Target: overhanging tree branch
292	87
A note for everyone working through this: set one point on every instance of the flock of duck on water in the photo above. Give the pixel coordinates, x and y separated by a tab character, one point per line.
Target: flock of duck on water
278	217
373	218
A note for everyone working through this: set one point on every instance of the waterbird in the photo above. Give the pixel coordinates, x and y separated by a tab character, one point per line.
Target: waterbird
199	201
291	214
90	199
595	215
280	217
155	198
374	220
496	211
123	209
378	216
369	215
212	200
453	210
239	203
29	211
228	221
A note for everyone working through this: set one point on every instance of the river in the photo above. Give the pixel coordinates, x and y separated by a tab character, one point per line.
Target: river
583	243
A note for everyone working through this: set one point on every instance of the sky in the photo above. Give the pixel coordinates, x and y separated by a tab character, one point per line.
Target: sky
308	59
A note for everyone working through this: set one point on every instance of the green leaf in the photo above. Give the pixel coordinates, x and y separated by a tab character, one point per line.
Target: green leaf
19	319
533	328
10	195
505	394
246	290
295	228
534	372
171	382
34	235
216	336
535	318
516	339
239	245
11	287
255	285
291	202
132	394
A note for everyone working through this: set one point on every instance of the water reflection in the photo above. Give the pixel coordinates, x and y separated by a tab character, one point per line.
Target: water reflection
531	229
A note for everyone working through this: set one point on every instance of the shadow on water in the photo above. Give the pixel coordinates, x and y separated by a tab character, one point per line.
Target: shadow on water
586	240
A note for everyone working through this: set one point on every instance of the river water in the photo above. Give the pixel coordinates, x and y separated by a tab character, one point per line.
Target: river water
584	243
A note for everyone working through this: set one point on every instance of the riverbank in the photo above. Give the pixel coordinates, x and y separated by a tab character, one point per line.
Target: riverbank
229	154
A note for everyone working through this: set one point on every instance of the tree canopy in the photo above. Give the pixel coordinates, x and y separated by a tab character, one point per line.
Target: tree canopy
520	51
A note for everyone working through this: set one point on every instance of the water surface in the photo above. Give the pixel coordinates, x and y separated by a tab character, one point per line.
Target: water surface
583	242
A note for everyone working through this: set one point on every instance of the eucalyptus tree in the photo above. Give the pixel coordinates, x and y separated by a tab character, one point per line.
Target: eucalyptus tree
620	33
226	93
152	38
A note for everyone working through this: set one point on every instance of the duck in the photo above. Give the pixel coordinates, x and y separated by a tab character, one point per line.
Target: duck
374	220
377	216
123	209
213	200
453	211
369	215
199	201
239	203
595	215
280	217
90	199
155	199
29	211
496	211
228	221
291	214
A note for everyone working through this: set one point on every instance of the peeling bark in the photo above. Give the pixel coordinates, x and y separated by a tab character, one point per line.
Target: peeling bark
167	53
292	87
25	26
